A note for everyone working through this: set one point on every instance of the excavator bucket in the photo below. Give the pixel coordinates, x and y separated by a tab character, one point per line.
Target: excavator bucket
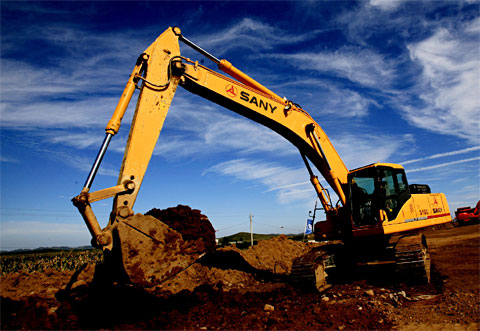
152	251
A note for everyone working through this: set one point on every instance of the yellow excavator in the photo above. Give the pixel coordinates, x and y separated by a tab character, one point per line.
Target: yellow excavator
377	219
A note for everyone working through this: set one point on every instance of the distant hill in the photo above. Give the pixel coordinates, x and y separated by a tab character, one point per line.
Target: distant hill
244	237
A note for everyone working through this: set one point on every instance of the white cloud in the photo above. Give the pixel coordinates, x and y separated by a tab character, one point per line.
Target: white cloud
340	101
249	33
62	114
436	156
8	159
20	81
71	90
36	8
291	184
274	177
205	129
288	186
441	165
450	63
387	5
360	150
371	19
83	140
356	151
84	164
77	161
359	65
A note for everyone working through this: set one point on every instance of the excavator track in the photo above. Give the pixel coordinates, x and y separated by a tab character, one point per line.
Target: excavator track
310	270
412	258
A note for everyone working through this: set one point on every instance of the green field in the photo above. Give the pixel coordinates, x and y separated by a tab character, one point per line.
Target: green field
40	261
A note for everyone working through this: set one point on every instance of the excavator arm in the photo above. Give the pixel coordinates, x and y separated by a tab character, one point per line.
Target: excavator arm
157	73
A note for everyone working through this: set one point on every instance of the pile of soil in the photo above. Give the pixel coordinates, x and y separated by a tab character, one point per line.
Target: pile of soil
190	223
275	255
231	268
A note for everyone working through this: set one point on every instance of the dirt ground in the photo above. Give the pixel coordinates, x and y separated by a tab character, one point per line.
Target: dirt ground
233	289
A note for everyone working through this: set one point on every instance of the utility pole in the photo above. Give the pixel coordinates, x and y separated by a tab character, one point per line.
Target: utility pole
251	230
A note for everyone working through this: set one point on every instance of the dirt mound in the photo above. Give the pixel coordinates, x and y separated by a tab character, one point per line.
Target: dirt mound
225	268
275	255
230	268
190	223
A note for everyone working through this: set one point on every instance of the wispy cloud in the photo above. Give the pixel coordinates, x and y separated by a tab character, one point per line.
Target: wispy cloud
252	34
444	164
288	186
34	8
58	114
335	99
359	150
83	140
358	65
273	176
437	72
440	155
76	161
205	129
387	5
450	102
356	151
76	84
8	159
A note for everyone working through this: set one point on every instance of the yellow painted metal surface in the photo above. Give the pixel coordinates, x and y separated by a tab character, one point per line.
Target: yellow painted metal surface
229	69
152	107
421	210
379	164
114	124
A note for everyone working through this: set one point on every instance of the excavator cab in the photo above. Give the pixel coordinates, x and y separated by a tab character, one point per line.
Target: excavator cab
376	193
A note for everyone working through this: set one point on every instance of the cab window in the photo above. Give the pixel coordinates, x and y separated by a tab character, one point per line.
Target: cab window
362	186
375	189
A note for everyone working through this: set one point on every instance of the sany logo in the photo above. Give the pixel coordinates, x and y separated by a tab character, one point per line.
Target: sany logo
231	90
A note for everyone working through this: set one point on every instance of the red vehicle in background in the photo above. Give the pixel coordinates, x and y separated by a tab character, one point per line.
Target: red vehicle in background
466	215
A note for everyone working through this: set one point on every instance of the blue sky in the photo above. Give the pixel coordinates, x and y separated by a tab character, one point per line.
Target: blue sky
389	81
